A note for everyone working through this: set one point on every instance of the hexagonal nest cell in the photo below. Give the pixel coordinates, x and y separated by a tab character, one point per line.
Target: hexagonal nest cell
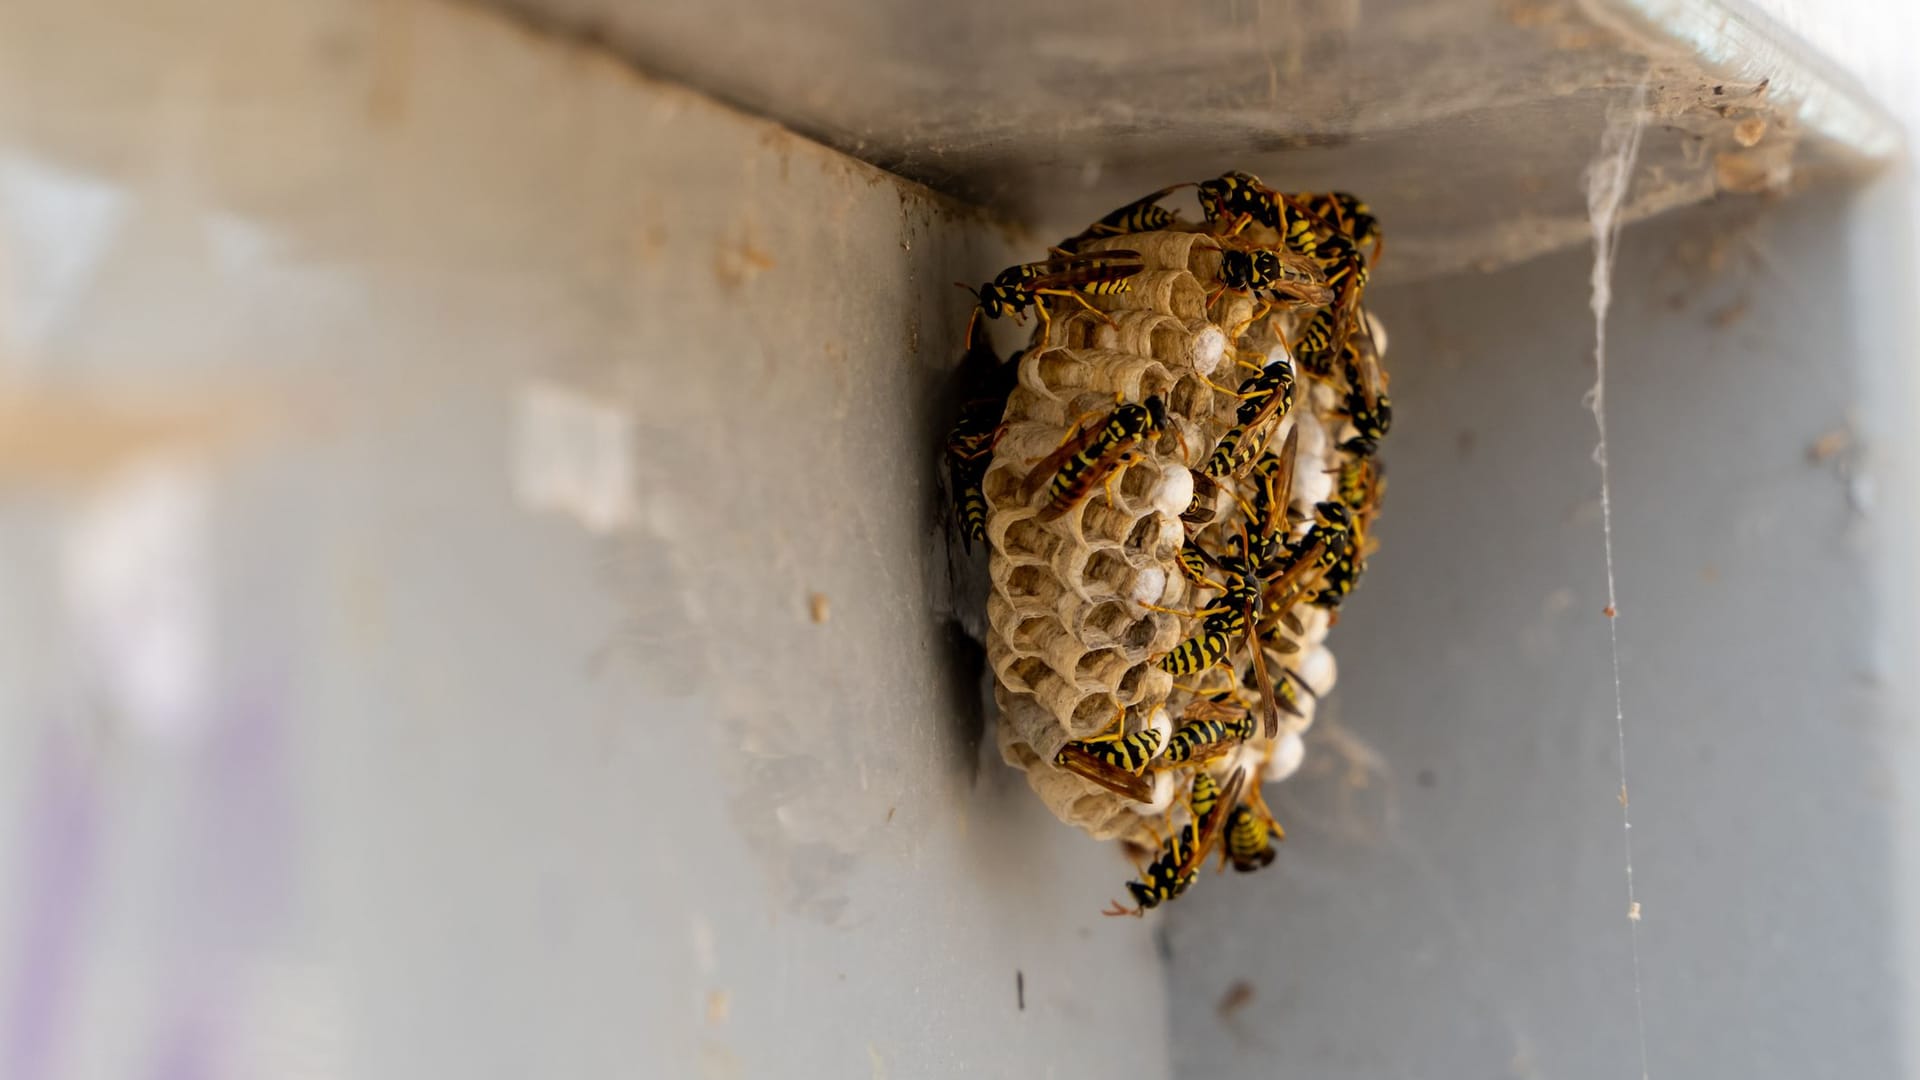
1182	381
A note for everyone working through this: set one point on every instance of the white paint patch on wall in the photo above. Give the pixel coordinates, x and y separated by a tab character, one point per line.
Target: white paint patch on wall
574	455
134	572
55	227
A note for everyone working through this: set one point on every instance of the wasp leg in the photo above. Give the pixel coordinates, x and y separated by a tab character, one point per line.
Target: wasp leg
1259	313
1115	729
1081	300
1199	614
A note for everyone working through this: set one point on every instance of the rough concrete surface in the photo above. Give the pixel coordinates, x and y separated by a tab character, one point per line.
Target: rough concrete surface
1466	123
1451	899
474	602
413	662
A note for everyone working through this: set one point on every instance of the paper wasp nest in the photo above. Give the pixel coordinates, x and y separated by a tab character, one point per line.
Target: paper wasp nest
1069	641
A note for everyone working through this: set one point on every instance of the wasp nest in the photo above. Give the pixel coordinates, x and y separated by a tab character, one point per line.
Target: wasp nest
1090	597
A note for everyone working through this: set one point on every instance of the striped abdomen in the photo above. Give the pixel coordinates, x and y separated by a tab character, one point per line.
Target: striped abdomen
973	508
1235	449
1124	428
1194	566
1235	195
1163	880
1340	580
1355	483
1103	288
1293	226
1370	423
1197	653
1314	343
1269	393
1193	736
1249	841
1345	268
1204	796
1145	216
1130	753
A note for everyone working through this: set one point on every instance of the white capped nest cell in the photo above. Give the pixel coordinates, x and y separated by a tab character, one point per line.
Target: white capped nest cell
1397	560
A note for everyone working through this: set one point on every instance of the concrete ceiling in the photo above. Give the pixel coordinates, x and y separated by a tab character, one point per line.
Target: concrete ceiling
1467	123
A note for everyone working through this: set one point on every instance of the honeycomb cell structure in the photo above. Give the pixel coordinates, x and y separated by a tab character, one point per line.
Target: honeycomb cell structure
1086	604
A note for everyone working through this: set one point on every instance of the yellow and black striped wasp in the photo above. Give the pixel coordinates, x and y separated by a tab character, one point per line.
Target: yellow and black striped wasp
1360	485
1272	277
1178	864
1366	404
1197	566
1076	277
1092	454
1251	831
1264	397
1325	542
1287	688
1208	723
1226	620
971	442
1144	214
1348	215
1332	326
969	451
1236	198
1267	523
1116	761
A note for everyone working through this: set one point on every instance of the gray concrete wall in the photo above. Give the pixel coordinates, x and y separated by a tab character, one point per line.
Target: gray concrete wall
434	437
421	443
1451	900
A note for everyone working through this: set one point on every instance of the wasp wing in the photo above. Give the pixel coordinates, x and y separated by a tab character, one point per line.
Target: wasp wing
1127	785
1207	832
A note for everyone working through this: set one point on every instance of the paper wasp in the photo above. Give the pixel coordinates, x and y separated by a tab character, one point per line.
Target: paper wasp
970	445
1346	213
1359	486
1233	453
1196	565
1234	196
1263	397
1115	761
1230	617
1092	454
1326	541
1144	214
1346	275
1226	724
1289	686
1267	523
1179	861
1240	197
1367	407
1250	833
1017	288
1271	277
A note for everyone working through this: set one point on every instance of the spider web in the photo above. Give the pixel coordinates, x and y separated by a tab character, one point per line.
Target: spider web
1608	178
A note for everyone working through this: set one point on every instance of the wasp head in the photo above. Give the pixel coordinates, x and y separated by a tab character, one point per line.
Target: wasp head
1156	412
1334	515
1236	269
